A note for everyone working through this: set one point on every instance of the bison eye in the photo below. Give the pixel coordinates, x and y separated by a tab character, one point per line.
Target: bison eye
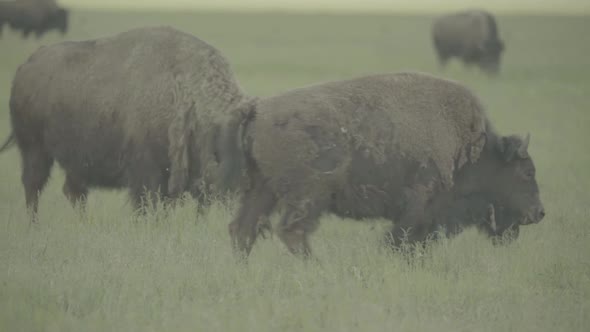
529	175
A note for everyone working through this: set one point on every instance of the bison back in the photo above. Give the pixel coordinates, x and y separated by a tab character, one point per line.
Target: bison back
376	131
464	32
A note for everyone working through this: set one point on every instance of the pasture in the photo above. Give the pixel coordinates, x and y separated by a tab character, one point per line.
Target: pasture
110	271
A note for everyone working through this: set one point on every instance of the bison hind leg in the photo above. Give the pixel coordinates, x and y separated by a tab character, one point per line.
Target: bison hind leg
256	206
36	167
298	221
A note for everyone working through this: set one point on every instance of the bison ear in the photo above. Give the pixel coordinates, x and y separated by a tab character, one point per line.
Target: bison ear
179	136
512	147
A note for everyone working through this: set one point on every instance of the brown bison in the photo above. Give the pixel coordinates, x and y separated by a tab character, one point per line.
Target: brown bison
38	16
141	110
471	36
408	147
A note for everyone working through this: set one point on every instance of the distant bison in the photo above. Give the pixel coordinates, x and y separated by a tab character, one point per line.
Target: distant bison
471	36
38	16
407	147
142	110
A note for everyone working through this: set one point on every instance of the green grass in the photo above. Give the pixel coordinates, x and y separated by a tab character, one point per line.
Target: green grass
112	272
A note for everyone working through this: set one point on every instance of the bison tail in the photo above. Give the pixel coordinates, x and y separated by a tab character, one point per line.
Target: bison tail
179	136
237	126
233	148
8	143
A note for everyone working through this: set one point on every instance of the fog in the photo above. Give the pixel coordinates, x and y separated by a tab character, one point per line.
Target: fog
402	6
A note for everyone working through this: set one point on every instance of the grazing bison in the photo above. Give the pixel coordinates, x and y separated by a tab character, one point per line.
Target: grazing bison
471	36
408	147
141	110
38	16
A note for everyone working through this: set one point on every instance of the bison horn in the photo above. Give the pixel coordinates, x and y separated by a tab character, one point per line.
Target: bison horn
523	149
492	218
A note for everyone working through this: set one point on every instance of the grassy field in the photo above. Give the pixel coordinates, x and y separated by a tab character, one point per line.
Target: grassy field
112	272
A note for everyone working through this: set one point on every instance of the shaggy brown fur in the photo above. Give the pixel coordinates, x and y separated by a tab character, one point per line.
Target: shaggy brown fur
141	110
471	36
405	147
38	16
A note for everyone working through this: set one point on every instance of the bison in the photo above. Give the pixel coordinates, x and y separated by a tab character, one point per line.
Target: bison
142	110
471	36
408	147
38	16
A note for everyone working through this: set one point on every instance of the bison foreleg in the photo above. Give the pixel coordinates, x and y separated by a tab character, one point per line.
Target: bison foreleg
147	183
145	197
75	191
413	226
443	59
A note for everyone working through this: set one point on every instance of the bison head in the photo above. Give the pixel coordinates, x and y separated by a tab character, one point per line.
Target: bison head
58	20
62	20
503	180
491	53
516	180
511	184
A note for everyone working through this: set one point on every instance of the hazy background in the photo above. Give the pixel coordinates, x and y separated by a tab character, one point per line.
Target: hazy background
174	271
418	6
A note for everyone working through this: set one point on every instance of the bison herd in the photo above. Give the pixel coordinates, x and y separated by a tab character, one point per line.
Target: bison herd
159	112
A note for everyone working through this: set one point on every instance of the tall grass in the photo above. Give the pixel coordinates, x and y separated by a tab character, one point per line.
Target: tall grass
174	271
